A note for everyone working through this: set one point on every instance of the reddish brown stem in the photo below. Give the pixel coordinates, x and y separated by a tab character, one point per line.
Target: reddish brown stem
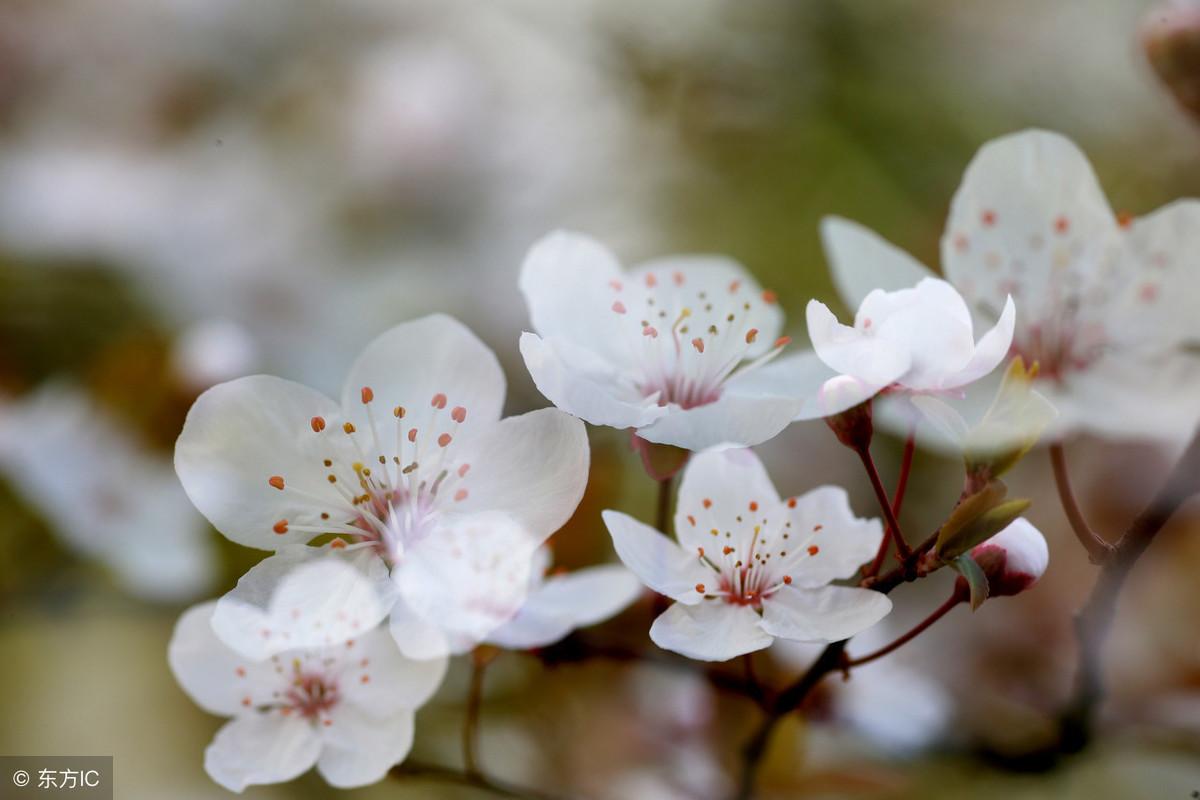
916	630
1097	549
903	551
897	501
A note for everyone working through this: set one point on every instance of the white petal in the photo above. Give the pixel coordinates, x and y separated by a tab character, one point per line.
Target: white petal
862	261
821	390
930	322
1159	304
468	577
416	637
1029	213
823	519
828	614
304	597
582	383
717	488
657	560
741	416
991	349
565	279
393	683
360	749
566	602
214	676
239	435
532	467
1024	546
712	631
261	748
851	352
408	366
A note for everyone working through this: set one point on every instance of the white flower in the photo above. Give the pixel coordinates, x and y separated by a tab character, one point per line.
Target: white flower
104	494
1107	304
918	340
749	566
559	603
1013	559
347	707
414	466
665	348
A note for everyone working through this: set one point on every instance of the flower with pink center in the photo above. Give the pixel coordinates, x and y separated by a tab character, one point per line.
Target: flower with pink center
748	566
1012	560
666	348
560	602
414	470
1106	302
347	707
912	341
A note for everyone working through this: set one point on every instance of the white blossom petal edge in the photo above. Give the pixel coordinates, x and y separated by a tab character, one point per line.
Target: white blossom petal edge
748	566
666	348
414	466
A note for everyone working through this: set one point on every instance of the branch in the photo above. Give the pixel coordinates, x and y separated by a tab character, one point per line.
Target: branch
904	639
902	549
910	446
1097	549
1095	619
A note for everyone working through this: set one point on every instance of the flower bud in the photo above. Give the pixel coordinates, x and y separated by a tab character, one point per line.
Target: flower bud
853	427
1012	560
1170	37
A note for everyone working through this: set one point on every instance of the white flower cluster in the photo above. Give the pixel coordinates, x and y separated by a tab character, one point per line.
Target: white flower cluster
411	501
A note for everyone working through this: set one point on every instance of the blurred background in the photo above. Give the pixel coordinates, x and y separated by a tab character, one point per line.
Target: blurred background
192	190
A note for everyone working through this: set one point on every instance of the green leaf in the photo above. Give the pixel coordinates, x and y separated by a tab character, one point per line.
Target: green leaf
976	580
967	511
982	528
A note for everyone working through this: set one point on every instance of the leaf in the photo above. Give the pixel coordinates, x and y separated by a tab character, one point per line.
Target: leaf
1011	426
976	580
967	511
983	527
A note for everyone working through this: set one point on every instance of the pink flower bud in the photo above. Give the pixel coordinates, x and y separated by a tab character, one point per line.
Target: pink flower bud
1012	560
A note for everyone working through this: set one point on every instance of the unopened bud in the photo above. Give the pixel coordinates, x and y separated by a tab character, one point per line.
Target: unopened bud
853	427
1012	560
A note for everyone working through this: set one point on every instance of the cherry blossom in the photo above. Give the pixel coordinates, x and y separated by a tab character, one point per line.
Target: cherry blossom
665	348
558	603
347	707
105	494
917	340
414	467
748	566
1013	559
1106	301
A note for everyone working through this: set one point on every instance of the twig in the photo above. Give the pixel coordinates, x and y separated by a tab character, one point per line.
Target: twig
903	551
1095	619
916	630
910	446
1097	549
435	772
470	731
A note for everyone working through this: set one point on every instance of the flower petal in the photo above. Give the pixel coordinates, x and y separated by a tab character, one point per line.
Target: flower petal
711	631
827	614
416	637
1029	220
828	542
862	261
582	383
991	349
930	322
261	748
657	560
395	683
740	416
532	467
410	364
851	352
1159	304
213	675
240	435
360	749
566	602
719	487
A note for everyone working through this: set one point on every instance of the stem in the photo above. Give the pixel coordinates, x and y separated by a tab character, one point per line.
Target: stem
1097	549
662	513
903	551
1095	619
470	731
435	772
919	628
752	683
910	446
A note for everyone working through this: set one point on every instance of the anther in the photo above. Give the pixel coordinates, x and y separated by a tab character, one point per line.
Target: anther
281	527
444	439
398	412
813	549
348	427
618	307
783	341
439	400
751	335
367	395
698	343
318	424
769	297
787	579
412	434
276	481
727	550
791	502
459	414
700	588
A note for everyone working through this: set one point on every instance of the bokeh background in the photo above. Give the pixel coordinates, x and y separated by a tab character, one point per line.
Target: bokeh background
192	190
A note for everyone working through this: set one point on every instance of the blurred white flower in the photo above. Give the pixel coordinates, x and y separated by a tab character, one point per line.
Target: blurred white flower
1106	303
914	341
560	602
212	352
663	348
348	707
104	494
748	566
427	478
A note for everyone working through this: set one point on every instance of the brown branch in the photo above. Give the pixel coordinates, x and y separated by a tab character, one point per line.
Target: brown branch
1093	622
903	551
1097	549
939	612
910	446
